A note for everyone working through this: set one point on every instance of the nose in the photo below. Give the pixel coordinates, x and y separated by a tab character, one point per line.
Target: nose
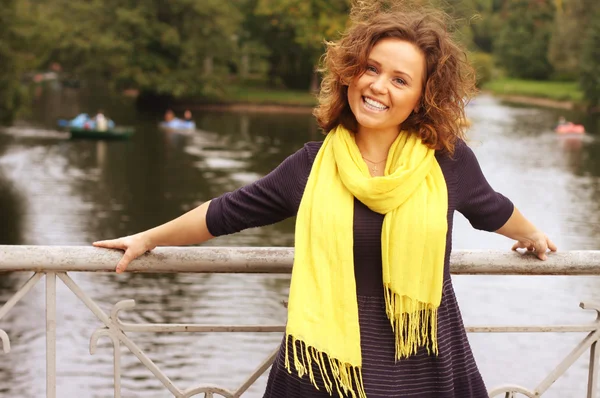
379	86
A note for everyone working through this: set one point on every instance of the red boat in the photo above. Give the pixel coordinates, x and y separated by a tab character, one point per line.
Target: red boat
569	128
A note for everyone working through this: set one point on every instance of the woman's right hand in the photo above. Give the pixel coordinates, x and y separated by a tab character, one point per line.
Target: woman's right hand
133	245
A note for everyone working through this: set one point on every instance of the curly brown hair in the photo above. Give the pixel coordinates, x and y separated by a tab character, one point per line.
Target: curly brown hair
449	81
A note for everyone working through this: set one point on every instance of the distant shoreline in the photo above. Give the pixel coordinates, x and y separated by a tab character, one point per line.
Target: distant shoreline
248	107
538	101
566	95
306	109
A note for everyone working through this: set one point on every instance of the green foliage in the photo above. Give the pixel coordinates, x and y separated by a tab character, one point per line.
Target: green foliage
463	14
10	63
483	63
485	25
176	48
523	41
590	61
571	19
294	32
192	48
311	20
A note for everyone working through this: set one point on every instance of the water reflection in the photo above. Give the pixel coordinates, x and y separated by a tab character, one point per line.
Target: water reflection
11	206
56	191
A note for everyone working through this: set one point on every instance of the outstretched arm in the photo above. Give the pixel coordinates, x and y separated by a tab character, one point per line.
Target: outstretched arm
190	228
490	211
527	235
266	201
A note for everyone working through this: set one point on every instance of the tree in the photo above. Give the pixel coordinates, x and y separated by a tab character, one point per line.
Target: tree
10	93
177	48
572	18
485	25
523	41
295	30
590	60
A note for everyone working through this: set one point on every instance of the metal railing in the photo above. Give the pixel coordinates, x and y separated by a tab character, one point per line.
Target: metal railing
55	262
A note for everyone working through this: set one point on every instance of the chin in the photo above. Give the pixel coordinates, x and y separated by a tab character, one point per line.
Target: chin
369	123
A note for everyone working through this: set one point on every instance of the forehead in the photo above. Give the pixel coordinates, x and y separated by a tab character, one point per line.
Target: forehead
400	55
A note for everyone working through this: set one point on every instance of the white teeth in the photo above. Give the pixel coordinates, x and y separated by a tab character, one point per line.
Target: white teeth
375	104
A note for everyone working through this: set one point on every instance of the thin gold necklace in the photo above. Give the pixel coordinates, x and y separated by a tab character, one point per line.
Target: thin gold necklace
374	168
370	161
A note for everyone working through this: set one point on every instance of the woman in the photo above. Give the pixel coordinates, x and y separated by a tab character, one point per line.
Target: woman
372	311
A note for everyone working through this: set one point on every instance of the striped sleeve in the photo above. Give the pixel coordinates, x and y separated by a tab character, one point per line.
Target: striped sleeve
268	200
485	208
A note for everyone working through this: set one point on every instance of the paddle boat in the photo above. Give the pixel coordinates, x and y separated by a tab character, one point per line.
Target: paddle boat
178	124
117	133
570	128
84	127
175	124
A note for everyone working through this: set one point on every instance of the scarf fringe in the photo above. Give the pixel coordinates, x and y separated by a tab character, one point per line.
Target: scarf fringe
414	323
342	376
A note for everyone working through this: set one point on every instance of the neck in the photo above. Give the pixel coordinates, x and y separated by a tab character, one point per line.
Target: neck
373	144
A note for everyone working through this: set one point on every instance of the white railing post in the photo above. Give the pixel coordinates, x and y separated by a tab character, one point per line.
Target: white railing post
593	372
51	335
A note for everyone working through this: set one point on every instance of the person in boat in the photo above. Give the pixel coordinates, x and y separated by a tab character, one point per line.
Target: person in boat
372	311
79	120
172	122
188	120
101	122
565	127
169	116
562	121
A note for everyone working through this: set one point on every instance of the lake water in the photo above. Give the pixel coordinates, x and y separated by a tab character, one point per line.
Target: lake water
54	191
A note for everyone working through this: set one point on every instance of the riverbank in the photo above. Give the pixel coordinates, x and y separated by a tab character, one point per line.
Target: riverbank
563	95
241	98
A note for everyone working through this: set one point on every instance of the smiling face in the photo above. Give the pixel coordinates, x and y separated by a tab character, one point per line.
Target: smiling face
390	88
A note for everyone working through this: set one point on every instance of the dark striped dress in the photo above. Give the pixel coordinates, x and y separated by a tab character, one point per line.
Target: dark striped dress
451	374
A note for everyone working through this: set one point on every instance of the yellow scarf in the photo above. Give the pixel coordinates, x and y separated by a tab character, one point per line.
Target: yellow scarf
323	309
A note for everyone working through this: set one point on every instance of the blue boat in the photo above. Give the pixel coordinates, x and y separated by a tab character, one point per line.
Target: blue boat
178	124
84	127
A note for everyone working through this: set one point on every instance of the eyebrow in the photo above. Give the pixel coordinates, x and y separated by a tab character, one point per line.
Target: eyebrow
399	72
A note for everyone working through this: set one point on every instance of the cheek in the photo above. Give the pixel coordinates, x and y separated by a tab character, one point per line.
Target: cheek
405	108
353	90
353	96
411	102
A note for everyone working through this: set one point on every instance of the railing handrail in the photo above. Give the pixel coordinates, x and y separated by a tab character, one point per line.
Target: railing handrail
273	260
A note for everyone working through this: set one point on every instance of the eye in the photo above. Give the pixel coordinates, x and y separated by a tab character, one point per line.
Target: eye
400	81
371	68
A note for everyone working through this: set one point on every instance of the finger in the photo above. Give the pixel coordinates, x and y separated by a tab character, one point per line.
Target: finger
540	249
541	255
110	244
521	245
552	246
125	260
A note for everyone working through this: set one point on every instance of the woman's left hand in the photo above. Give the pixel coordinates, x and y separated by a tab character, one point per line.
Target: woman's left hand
537	242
